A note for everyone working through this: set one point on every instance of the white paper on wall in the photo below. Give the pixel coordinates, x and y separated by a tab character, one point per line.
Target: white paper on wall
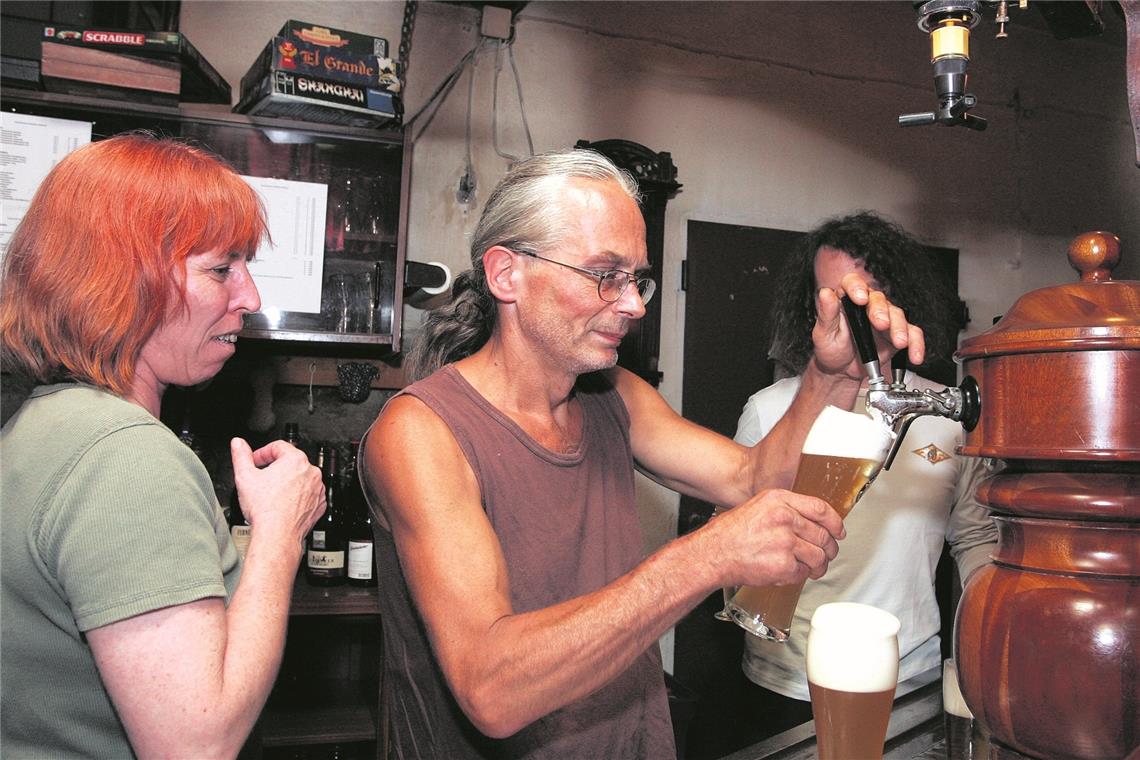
29	147
290	270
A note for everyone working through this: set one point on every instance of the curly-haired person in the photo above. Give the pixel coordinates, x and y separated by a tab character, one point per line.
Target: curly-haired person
896	533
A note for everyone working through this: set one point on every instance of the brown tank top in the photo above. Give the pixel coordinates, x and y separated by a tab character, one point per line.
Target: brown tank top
568	525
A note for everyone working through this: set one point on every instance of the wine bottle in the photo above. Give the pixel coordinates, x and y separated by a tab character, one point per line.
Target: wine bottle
361	563
293	436
187	435
325	558
292	433
239	526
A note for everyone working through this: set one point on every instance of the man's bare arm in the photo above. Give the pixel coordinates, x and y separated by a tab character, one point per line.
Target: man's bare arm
507	669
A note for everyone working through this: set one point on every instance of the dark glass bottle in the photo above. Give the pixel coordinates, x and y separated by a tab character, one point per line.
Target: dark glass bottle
187	435
292	433
239	526
326	554
293	436
361	558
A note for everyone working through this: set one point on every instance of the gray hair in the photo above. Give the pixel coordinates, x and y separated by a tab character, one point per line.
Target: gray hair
524	213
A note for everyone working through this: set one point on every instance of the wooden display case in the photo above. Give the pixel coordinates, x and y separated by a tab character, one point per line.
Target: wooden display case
364	171
327	699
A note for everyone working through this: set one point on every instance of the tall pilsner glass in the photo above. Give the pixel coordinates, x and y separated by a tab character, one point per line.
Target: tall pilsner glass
842	454
852	670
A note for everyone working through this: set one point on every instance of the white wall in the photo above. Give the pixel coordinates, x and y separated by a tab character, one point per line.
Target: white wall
777	114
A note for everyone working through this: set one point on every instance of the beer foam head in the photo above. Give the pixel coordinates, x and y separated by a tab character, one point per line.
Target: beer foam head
850	435
853	647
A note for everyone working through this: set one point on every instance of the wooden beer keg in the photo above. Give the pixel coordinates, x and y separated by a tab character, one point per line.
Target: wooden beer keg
1047	637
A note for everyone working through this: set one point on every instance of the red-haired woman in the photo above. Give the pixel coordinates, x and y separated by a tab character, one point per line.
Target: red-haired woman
130	626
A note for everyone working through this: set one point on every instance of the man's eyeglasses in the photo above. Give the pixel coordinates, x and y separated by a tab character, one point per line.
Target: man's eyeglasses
611	283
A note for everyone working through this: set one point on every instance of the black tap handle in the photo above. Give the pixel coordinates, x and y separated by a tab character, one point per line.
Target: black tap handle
975	122
861	333
899	362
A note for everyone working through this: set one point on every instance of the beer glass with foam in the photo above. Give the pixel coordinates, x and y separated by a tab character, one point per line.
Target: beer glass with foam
852	670
842	454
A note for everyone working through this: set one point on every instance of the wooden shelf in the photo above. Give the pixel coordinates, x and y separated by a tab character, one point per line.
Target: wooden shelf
326	694
333	155
335	724
317	336
333	600
284	130
300	370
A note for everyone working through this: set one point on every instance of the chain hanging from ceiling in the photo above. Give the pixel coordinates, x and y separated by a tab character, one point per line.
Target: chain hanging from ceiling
406	29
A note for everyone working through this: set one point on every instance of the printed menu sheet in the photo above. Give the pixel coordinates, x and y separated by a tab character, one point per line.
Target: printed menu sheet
289	270
29	147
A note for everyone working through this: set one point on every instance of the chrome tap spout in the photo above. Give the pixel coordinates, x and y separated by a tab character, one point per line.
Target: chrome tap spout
896	406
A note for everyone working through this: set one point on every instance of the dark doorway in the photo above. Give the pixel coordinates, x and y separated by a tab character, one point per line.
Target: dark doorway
729	276
729	280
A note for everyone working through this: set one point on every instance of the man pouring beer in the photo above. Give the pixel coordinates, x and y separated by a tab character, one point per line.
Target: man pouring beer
520	618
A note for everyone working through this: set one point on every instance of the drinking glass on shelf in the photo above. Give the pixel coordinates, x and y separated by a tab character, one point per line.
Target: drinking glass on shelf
841	456
336	303
852	669
363	302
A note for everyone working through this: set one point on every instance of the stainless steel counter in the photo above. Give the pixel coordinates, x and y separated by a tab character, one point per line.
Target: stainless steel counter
915	732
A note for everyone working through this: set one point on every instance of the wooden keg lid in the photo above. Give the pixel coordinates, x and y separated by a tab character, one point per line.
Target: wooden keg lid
1094	313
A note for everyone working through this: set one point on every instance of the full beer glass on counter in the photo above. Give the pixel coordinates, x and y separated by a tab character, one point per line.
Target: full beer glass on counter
842	454
852	670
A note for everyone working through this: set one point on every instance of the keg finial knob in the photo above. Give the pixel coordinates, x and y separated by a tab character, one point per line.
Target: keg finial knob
1095	255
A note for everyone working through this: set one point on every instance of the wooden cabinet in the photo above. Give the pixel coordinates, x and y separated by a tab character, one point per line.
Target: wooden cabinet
656	182
326	703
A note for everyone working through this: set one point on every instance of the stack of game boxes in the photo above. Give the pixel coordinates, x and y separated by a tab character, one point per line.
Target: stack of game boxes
314	73
158	68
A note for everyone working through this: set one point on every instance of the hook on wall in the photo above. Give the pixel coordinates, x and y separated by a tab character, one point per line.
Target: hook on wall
312	372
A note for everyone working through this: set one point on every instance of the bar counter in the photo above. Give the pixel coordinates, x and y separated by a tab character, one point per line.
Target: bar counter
915	732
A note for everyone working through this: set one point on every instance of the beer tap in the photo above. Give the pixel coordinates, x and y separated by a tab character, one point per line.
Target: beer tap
891	401
948	22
